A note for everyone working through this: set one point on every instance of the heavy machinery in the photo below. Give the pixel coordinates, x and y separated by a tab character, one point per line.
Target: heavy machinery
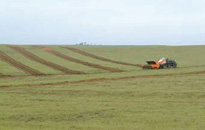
161	64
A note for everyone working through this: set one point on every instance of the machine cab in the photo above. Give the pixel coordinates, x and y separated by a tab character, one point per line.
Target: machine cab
162	61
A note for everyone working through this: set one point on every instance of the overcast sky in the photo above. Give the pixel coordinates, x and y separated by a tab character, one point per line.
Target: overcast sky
108	22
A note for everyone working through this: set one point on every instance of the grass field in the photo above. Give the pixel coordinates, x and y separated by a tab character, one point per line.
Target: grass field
97	98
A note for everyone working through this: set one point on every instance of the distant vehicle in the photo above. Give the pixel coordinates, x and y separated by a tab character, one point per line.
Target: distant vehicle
163	63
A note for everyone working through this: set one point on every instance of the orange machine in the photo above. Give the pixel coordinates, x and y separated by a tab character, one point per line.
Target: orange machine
161	64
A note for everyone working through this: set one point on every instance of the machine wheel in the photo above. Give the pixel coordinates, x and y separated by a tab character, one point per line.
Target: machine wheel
171	64
161	67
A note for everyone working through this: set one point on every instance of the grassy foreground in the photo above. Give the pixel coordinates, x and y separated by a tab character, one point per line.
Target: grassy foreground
168	103
174	102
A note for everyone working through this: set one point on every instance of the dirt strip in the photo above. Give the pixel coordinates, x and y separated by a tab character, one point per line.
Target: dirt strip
18	65
194	66
20	76
99	58
106	79
66	57
13	76
45	62
1	75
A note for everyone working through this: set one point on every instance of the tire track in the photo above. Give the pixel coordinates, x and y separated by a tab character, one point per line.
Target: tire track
68	58
106	79
99	58
44	62
19	65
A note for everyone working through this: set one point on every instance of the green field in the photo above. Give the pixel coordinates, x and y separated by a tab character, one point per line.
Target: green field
98	99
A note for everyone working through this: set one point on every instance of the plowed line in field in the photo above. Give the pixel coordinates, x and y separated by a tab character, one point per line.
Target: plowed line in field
192	66
68	58
107	79
19	76
99	58
1	75
44	62
18	65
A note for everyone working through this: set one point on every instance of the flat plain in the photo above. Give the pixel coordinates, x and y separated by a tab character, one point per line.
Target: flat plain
101	88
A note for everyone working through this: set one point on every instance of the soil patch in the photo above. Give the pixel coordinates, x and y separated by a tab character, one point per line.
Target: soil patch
68	58
108	79
99	57
19	65
44	62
